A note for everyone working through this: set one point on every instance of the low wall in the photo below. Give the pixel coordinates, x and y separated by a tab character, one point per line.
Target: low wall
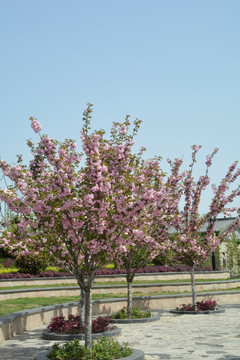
119	289
169	276
16	323
144	276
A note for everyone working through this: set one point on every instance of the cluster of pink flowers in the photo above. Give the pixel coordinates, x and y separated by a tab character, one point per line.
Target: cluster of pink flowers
36	126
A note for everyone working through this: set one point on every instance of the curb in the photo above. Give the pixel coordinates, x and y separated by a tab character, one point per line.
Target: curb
46	335
136	355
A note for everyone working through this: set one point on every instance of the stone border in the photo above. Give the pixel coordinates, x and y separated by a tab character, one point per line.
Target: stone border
136	355
46	335
154	317
180	312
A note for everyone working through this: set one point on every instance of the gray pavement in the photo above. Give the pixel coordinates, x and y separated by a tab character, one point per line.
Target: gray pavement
211	336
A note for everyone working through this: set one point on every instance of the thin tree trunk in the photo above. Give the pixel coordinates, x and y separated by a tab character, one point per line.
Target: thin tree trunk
81	304
129	298
88	319
194	301
81	308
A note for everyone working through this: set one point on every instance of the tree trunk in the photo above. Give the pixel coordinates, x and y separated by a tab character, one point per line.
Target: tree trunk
194	302
81	304
129	298
88	318
81	308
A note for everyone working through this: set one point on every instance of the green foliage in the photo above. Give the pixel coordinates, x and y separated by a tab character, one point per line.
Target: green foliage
3	270
135	314
162	260
109	266
139	258
5	254
217	257
54	268
31	264
233	255
103	349
7	263
208	262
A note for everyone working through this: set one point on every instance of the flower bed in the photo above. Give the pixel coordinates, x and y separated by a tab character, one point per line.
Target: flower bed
147	269
137	316
203	307
102	350
61	328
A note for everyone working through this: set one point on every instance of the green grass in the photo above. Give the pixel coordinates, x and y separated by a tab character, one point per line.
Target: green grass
14	305
36	286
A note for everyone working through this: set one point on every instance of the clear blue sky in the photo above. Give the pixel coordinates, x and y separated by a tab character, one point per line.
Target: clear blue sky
175	64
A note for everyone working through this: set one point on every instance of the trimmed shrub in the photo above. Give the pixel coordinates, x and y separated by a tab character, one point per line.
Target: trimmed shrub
31	264
103	349
135	314
8	262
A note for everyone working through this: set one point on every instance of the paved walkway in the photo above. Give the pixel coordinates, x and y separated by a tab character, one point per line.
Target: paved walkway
186	337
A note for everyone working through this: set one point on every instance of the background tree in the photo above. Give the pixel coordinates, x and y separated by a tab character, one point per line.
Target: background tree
139	244
158	215
188	245
233	254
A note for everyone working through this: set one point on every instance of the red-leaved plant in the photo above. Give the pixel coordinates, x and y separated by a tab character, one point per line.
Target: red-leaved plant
60	325
201	306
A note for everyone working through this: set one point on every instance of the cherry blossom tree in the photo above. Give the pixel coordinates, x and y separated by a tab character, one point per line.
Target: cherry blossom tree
147	239
79	215
139	244
188	245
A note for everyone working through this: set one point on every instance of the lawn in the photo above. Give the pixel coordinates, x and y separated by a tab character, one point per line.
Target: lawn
14	305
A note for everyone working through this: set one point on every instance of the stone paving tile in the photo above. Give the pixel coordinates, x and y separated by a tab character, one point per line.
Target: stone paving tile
185	337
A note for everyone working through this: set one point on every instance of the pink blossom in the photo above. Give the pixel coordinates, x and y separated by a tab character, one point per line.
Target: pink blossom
233	166
209	160
36	126
122	130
